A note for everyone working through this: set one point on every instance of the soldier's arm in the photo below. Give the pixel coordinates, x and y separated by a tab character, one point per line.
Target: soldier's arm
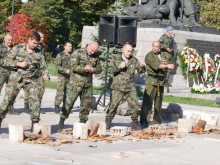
58	64
10	61
44	67
98	68
150	61
114	66
75	63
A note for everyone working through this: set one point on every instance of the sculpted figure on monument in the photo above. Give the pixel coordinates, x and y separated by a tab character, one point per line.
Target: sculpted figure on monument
179	12
149	10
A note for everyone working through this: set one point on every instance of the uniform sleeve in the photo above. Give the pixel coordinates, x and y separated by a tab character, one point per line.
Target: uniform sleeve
75	63
139	68
163	43
10	61
98	68
58	64
151	62
44	67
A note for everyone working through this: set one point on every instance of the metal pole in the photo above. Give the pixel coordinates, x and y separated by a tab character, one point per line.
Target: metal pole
12	14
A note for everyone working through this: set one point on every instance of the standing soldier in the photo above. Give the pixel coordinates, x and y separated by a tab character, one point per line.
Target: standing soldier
40	49
167	48
5	47
83	63
27	66
156	67
123	67
62	64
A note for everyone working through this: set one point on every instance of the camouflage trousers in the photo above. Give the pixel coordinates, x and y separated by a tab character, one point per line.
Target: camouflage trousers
85	94
12	90
41	90
3	79
150	97
131	97
61	89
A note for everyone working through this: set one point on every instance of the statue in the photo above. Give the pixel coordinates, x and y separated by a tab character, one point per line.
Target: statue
178	12
150	10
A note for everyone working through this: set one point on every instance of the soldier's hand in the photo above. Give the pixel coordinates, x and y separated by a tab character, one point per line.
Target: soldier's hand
123	64
46	78
22	64
141	63
169	50
91	69
164	61
170	66
87	68
68	71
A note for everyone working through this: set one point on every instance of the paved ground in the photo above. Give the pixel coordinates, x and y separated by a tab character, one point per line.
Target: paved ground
190	149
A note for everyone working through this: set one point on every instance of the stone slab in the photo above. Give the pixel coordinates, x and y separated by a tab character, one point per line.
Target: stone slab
16	132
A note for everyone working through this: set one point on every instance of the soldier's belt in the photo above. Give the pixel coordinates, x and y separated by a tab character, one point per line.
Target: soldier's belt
160	78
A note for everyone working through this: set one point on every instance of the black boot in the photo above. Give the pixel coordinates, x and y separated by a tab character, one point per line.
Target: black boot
135	125
26	108
12	111
61	125
108	122
57	109
82	121
1	122
32	125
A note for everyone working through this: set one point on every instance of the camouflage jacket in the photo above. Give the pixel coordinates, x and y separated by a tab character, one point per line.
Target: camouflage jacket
3	54
62	63
124	77
78	61
166	42
36	64
152	65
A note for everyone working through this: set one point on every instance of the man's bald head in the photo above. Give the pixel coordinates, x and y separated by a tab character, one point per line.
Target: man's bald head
127	50
8	40
92	48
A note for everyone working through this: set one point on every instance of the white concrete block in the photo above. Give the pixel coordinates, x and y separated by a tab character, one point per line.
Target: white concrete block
218	121
185	125
102	129
16	133
195	117
211	119
119	131
80	130
44	130
209	127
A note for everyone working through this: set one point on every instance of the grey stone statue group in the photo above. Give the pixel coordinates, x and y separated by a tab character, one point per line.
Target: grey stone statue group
178	12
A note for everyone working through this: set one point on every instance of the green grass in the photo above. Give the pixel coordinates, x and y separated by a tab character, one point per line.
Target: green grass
50	84
190	101
52	69
171	99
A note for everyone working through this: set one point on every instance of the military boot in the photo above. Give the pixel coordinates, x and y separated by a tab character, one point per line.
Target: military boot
12	111
57	109
192	19
61	125
26	108
1	122
32	125
135	125
108	122
82	121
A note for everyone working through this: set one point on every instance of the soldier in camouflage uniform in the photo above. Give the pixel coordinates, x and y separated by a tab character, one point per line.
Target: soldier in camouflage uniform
40	49
156	66
123	67
167	48
5	47
27	66
62	64
83	63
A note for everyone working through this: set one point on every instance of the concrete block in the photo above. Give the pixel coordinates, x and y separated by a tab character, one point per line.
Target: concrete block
119	131
209	127
16	133
195	117
211	119
102	129
218	121
44	130
185	125
80	130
